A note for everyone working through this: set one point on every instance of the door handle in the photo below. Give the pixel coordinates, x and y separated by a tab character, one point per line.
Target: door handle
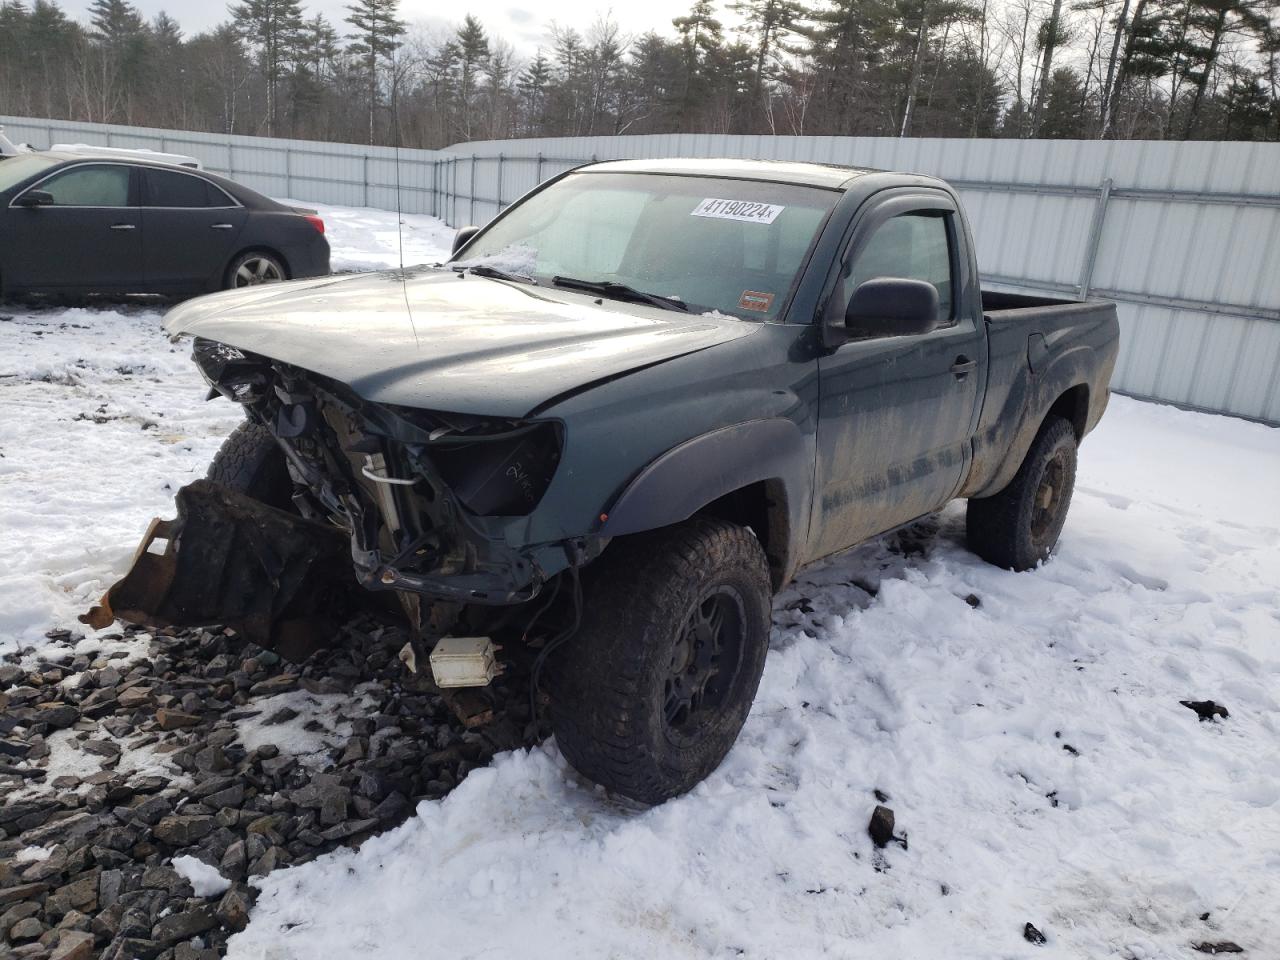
963	367
221	226
123	226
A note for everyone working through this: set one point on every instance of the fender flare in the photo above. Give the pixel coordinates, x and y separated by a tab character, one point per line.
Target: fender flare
699	471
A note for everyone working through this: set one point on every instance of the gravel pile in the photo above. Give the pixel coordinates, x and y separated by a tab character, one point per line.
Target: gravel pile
144	787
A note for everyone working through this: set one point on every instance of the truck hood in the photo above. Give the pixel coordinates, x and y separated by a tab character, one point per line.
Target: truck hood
435	340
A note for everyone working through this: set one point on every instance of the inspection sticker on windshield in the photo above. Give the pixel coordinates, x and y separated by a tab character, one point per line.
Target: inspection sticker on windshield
755	300
745	210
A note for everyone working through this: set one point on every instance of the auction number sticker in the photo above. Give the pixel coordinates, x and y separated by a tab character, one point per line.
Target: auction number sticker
747	211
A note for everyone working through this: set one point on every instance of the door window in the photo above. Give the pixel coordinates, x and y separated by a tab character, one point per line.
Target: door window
106	186
166	189
913	246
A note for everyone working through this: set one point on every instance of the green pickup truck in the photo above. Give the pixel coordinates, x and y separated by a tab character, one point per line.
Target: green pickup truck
616	422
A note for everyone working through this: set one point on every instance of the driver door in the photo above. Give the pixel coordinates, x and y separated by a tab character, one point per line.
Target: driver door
896	414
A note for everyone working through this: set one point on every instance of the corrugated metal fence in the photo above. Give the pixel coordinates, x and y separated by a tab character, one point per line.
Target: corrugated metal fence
1184	236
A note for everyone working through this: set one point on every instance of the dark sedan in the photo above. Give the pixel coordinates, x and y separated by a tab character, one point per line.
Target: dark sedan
75	224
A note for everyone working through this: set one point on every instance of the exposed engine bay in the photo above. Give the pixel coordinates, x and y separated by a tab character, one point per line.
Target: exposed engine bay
425	497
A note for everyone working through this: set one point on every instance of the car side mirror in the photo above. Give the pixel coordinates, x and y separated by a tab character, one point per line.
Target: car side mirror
35	198
891	307
463	237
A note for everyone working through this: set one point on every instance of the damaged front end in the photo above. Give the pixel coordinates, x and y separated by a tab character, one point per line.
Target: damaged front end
276	579
422	503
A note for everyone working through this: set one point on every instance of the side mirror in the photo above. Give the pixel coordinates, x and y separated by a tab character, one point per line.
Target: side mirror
892	307
35	198
463	237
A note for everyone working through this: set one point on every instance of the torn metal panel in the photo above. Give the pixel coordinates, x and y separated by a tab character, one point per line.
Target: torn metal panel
278	580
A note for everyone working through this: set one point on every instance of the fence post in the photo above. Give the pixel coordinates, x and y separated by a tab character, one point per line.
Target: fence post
231	159
538	178
471	189
499	182
1095	237
366	180
288	171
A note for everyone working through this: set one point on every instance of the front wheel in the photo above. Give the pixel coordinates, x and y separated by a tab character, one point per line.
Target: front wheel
1019	526
250	462
653	690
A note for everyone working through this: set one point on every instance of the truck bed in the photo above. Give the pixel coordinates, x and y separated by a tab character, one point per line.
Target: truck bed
1041	351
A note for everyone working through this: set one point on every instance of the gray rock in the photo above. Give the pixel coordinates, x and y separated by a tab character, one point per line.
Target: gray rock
881	826
27	929
233	908
133	948
348	829
134	697
18	912
58	716
275	767
167	879
152	810
180	830
168	719
110	886
73	945
80	894
184	925
273	859
232	796
234	862
51	866
21	893
212	759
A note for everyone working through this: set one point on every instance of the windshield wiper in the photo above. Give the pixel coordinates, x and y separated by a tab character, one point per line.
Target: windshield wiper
493	273
620	291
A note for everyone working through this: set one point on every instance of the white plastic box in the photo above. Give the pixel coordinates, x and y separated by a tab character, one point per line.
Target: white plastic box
464	662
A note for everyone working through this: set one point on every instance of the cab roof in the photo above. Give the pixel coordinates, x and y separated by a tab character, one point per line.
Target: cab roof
828	175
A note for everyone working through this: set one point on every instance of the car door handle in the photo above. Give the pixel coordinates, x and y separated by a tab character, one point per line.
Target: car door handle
963	367
123	226
222	226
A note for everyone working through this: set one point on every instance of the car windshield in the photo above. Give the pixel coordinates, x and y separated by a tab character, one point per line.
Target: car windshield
16	169
715	244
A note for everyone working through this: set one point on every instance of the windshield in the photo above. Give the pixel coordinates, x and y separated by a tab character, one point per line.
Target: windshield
16	169
731	246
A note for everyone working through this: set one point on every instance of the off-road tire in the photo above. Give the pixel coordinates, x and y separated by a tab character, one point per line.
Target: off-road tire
1017	529
612	689
250	462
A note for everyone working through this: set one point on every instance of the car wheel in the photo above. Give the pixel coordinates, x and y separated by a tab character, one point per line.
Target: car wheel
250	462
254	268
1019	526
651	693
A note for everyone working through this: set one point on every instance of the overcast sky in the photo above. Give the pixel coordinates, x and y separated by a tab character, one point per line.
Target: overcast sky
524	23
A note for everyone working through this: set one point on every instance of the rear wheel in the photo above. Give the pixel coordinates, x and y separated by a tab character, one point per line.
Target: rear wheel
250	462
253	269
652	692
1019	526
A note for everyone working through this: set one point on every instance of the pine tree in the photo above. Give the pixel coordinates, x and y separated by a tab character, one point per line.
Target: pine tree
273	26
701	37
378	29
532	85
473	52
770	22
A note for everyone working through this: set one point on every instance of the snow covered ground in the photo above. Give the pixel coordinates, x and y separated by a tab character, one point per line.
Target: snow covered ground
364	239
1025	728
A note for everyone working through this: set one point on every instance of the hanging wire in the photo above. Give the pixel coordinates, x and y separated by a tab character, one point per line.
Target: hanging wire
555	642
